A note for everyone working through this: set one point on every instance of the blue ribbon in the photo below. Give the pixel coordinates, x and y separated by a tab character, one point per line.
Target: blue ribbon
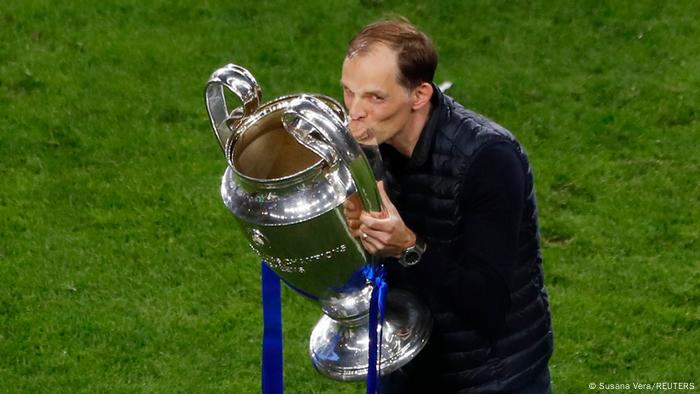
272	358
376	275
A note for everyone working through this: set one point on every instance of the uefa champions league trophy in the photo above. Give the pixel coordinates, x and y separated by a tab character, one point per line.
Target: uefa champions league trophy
292	163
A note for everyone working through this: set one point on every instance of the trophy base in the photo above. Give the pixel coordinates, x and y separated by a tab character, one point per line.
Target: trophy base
340	348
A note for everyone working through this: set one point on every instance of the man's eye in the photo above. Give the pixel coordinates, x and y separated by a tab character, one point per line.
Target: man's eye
377	98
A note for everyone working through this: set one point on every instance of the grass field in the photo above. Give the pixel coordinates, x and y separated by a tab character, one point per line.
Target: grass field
121	271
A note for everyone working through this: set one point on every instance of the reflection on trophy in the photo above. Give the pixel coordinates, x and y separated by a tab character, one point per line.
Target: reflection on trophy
292	164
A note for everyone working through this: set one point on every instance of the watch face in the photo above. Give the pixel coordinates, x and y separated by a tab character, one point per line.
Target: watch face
411	257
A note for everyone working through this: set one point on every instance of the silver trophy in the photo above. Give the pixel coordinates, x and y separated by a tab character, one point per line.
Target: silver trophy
292	163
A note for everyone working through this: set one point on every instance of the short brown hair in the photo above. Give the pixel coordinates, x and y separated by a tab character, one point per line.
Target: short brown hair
416	55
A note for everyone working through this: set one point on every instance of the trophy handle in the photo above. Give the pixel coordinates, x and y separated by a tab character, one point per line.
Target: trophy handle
243	85
317	125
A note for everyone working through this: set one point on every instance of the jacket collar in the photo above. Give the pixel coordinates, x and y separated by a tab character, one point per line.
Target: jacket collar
438	110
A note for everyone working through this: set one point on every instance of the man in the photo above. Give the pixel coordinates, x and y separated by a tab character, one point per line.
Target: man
460	222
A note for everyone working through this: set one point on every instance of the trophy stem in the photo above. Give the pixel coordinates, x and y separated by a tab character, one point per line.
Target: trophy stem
339	348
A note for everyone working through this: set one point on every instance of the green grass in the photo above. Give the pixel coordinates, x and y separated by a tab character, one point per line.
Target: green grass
122	271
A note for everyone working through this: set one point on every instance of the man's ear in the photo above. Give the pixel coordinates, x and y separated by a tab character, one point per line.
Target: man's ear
421	95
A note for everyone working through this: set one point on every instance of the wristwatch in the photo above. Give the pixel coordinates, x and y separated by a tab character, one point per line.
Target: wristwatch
412	254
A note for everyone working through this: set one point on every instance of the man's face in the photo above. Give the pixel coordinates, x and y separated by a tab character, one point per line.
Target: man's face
378	105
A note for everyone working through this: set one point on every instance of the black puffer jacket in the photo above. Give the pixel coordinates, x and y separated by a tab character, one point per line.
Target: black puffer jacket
492	330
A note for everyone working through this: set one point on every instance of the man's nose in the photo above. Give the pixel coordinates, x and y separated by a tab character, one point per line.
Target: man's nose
356	110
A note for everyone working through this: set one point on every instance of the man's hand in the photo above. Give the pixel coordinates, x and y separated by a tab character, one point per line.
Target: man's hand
361	133
384	233
352	208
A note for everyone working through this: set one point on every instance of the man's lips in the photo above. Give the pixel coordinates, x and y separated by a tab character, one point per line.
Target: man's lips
360	132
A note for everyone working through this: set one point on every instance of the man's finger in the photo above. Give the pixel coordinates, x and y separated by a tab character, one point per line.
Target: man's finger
386	202
353	224
378	224
360	132
349	205
371	234
370	244
354	214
